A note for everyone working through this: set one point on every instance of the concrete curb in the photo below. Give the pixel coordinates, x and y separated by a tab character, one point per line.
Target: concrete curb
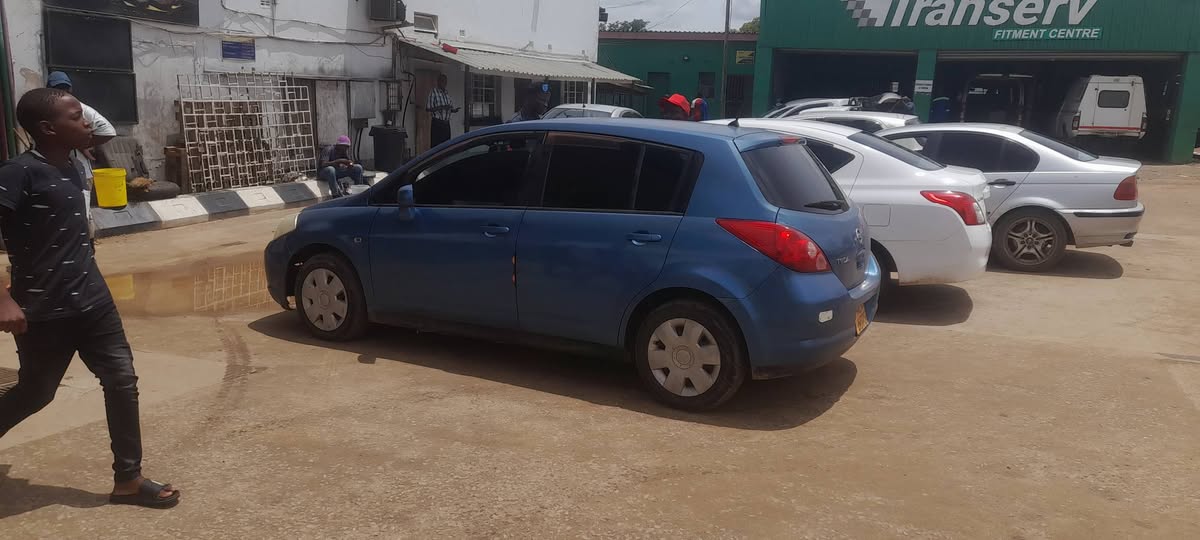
202	207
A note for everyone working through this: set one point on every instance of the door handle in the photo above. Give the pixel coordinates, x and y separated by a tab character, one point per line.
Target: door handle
1002	183
643	238
492	231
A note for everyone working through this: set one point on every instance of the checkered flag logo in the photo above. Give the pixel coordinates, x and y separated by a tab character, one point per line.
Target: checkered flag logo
869	12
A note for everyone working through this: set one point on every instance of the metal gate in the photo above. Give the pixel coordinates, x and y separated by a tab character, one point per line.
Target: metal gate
245	130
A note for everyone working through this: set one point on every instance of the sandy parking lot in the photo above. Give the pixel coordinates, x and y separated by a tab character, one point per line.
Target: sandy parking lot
1015	406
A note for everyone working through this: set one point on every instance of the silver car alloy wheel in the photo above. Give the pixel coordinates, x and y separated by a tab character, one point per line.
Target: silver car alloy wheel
684	358
323	298
1030	240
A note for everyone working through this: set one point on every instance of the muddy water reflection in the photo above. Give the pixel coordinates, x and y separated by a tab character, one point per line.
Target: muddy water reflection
215	287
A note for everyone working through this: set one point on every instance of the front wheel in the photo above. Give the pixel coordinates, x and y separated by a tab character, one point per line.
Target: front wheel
1029	240
330	299
690	356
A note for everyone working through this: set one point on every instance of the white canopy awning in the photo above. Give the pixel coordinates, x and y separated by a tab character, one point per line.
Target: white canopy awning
513	63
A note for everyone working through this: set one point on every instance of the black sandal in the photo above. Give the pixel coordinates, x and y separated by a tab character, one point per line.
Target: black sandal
148	496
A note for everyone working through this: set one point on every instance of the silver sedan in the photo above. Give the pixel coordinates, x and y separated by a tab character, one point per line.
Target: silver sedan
1044	194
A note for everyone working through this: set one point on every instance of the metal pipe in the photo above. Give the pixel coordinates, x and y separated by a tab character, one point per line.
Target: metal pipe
725	57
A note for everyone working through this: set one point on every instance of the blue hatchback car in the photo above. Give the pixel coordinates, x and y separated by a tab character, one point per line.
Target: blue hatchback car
707	254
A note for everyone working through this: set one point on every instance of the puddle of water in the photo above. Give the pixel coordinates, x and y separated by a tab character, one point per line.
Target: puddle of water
216	287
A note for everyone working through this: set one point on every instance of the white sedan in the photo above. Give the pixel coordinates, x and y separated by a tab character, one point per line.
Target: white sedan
927	220
1045	194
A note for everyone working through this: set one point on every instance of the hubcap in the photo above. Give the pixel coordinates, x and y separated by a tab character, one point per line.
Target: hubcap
684	358
323	298
1030	241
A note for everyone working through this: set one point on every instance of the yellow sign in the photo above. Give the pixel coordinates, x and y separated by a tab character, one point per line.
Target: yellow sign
744	57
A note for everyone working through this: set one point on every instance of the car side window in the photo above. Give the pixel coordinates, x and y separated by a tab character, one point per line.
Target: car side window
832	158
592	172
1018	158
663	182
973	150
490	172
631	114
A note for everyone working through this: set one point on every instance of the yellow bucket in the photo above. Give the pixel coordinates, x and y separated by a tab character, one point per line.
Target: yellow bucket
109	186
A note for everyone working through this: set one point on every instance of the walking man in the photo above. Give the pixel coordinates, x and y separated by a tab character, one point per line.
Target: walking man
59	303
336	164
440	106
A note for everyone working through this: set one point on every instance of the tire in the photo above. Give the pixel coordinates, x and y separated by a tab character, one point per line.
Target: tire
887	285
701	382
330	299
1029	240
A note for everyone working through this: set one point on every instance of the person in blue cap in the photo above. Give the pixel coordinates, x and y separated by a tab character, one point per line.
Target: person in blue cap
102	132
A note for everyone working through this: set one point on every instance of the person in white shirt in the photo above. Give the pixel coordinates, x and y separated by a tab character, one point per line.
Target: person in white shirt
102	132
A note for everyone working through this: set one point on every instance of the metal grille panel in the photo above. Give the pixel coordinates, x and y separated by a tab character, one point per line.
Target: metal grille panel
245	130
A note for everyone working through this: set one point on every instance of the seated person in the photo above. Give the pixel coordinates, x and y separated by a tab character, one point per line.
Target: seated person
336	164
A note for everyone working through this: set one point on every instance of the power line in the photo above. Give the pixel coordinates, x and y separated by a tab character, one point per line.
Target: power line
672	15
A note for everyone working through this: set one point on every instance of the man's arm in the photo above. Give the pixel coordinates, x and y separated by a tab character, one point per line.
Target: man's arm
12	194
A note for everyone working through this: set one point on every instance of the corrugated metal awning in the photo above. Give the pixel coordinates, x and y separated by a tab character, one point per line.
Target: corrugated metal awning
515	63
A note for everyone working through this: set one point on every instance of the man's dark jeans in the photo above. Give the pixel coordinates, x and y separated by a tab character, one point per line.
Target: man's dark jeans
46	350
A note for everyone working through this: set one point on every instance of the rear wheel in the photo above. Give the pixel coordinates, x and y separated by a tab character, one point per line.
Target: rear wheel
690	356
330	300
1029	240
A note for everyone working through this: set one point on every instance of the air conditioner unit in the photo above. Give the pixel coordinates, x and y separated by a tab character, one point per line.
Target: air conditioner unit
387	10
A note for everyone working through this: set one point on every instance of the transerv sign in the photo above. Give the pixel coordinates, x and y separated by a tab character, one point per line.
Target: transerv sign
1068	14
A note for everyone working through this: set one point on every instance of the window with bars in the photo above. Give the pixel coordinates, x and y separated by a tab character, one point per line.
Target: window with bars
100	67
575	92
484	100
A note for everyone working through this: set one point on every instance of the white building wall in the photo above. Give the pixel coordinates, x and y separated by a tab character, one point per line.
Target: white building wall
568	27
309	39
318	39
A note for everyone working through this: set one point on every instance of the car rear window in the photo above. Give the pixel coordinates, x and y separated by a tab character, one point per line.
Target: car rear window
1063	148
892	149
790	177
1113	99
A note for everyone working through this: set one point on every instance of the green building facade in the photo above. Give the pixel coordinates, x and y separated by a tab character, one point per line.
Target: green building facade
687	63
929	47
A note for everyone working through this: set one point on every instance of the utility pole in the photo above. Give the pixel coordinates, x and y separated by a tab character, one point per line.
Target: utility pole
725	58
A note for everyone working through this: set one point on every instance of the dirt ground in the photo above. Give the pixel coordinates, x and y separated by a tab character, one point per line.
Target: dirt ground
1014	406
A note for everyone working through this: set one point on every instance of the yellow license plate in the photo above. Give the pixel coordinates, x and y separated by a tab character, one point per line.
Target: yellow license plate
860	320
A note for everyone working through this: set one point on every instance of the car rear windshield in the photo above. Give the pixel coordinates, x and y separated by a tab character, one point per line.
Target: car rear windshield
1077	154
892	149
790	177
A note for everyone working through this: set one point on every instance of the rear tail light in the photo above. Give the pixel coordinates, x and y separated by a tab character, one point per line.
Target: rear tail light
1127	190
1075	122
780	243
965	205
1145	122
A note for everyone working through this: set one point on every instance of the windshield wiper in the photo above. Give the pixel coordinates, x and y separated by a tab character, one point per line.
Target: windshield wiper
828	205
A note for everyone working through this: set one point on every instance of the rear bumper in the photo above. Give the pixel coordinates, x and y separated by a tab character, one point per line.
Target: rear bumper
961	257
275	259
1107	227
781	320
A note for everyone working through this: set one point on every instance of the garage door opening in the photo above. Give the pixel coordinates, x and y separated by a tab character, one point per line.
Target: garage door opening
1031	92
806	74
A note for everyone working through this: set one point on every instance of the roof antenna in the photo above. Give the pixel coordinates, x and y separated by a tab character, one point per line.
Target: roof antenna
735	123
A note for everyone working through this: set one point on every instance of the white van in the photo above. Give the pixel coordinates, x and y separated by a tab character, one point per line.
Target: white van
1104	106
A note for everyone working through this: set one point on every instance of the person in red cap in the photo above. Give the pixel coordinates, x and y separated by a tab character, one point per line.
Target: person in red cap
675	107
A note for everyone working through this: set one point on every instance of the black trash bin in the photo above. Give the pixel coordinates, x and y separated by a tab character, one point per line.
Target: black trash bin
389	147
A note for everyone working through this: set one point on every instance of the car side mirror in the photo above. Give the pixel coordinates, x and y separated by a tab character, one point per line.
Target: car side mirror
407	206
404	197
